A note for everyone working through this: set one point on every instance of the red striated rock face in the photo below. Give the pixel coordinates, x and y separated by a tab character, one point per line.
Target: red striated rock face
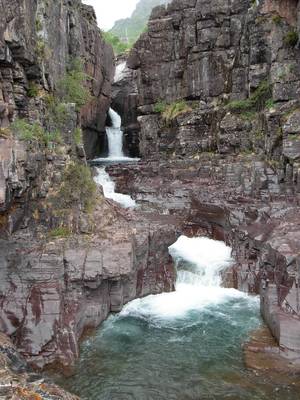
228	162
287	9
234	199
52	290
50	293
18	382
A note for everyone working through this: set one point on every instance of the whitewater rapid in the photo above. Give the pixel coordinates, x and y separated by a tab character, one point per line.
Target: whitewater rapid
199	262
103	179
181	345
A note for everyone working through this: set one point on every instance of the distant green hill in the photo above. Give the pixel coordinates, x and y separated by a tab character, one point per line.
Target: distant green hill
128	30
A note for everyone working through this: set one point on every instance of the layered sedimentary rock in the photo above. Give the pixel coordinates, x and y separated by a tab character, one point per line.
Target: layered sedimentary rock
18	382
64	266
37	41
229	159
53	290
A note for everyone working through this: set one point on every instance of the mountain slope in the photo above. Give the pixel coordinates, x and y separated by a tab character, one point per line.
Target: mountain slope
129	29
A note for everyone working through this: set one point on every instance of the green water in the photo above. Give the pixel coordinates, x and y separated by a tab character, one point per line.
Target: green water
179	346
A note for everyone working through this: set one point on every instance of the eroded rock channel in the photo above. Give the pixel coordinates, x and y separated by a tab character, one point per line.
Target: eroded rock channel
208	147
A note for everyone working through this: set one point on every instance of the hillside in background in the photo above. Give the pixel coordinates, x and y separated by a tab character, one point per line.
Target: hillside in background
129	29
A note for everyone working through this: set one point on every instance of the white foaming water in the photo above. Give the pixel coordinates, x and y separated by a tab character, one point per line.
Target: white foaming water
115	118
197	286
102	178
114	136
115	141
119	71
208	257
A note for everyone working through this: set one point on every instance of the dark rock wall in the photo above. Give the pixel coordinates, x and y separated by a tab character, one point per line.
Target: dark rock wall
38	39
211	53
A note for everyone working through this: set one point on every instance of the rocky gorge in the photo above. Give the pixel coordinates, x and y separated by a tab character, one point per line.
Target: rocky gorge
209	100
228	152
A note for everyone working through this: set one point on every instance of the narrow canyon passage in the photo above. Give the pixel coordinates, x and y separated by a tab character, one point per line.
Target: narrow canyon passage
180	345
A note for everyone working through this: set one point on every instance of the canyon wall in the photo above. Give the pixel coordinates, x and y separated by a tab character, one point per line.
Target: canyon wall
218	108
68	257
38	40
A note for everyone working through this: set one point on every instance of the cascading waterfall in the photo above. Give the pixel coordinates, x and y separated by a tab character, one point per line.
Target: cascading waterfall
199	262
180	345
115	153
115	136
120	68
102	178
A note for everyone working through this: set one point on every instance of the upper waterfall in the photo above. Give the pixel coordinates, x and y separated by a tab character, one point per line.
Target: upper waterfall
119	72
114	136
115	119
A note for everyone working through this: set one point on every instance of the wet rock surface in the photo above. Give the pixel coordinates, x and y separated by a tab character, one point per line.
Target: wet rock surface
18	382
236	200
228	161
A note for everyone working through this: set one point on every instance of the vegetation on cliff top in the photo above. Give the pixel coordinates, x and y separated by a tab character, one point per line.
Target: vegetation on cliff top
291	38
118	46
128	30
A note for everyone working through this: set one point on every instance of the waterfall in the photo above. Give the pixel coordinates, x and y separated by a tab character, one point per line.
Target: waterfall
115	141
180	345
103	179
199	262
115	136
115	154
119	72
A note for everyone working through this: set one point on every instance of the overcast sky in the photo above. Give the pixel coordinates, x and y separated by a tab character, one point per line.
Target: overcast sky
108	11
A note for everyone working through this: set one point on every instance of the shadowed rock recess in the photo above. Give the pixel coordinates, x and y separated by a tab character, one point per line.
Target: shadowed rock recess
210	98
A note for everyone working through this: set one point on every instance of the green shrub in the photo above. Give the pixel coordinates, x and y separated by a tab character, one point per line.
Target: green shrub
270	103
38	24
160	107
57	112
291	38
78	188
42	50
78	136
60	232
34	133
26	131
175	109
257	100
276	19
71	88
33	89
